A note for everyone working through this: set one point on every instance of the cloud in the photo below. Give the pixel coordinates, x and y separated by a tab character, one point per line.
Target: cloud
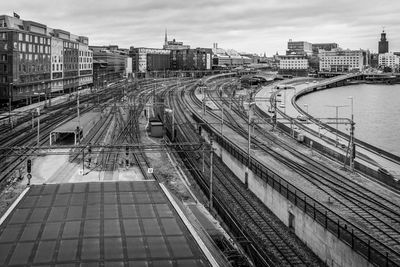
254	26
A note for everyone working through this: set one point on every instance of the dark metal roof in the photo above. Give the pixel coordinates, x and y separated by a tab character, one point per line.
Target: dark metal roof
97	224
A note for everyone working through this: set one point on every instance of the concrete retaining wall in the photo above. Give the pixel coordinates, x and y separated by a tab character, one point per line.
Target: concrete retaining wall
324	244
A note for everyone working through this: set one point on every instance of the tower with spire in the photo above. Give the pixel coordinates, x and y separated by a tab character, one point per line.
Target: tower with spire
166	38
383	45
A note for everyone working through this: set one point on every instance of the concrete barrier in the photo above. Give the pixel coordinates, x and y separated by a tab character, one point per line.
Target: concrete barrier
321	241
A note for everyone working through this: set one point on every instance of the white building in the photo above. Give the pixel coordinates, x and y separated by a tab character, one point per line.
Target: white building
57	51
128	69
293	62
338	60
388	60
85	58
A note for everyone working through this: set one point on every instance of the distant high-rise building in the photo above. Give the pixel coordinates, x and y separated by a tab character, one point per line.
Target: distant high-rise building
383	46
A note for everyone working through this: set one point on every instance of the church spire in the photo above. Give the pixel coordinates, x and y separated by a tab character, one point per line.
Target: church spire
166	38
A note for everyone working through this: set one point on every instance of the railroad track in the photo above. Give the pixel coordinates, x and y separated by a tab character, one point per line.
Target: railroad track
24	136
372	209
379	214
252	213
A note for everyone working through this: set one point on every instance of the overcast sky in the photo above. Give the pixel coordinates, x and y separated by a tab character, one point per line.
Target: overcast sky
255	26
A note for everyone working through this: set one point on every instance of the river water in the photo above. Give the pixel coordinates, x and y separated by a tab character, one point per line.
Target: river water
376	111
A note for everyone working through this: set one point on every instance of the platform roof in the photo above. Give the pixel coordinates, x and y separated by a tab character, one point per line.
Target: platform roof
97	224
85	121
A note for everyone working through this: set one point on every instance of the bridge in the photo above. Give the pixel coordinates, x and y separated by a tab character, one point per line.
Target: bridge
369	77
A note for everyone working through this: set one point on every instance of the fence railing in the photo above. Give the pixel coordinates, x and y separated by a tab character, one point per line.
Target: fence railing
356	238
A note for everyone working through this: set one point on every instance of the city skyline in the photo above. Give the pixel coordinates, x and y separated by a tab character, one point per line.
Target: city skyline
255	27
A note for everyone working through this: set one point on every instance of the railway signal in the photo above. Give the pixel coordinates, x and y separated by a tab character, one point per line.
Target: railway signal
28	166
89	151
127	156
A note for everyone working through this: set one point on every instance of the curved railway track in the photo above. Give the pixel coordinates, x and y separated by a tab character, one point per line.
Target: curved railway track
378	215
269	235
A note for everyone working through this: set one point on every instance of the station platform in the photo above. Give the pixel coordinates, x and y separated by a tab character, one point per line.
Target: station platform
98	224
86	122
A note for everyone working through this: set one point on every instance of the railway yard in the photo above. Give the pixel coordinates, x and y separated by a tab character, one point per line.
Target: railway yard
270	200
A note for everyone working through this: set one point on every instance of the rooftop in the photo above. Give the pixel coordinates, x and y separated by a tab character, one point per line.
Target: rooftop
107	224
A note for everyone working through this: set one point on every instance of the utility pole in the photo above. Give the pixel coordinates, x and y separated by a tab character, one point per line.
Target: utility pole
38	127
204	100
222	112
79	117
211	172
202	150
154	94
274	116
222	118
83	162
352	143
249	133
337	122
173	125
